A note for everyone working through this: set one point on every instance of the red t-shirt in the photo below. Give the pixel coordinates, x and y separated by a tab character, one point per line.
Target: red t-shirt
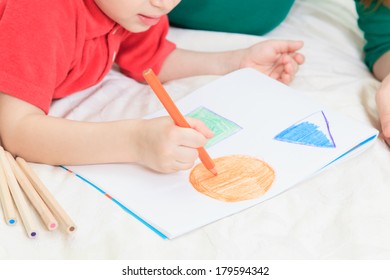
51	48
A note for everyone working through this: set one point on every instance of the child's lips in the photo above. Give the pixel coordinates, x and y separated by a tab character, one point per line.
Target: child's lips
149	20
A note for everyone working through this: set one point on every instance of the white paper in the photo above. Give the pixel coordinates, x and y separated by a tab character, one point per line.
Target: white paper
262	108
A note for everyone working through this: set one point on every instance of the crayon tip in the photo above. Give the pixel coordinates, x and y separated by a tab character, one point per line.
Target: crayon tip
214	171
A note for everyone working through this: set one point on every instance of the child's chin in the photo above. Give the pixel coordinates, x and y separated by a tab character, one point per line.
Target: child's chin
136	28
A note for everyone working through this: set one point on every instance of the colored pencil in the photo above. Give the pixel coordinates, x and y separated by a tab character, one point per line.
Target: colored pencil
175	114
7	203
46	196
18	196
47	217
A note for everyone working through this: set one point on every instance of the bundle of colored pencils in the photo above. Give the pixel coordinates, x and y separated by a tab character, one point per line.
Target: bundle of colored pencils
18	184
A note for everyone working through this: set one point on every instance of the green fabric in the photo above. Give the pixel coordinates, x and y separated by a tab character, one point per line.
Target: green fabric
375	23
255	17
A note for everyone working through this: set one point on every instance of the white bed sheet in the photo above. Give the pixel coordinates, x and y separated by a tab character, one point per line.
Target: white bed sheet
343	213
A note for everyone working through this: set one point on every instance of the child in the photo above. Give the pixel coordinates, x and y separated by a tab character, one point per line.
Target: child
374	20
50	49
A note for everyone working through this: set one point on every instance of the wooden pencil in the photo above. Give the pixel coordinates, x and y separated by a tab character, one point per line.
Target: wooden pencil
18	197
47	197
7	203
44	212
175	114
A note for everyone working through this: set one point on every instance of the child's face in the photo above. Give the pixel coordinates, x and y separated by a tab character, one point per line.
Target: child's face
136	15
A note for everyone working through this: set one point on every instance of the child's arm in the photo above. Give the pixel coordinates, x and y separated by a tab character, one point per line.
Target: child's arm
381	68
158	144
278	59
381	71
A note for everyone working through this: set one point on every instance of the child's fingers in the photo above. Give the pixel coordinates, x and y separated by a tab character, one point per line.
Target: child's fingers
286	78
287	46
178	166
290	66
190	138
291	63
186	155
285	70
277	72
290	69
184	158
201	127
298	58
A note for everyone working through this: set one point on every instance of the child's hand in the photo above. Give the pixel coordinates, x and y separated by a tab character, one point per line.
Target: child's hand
167	148
383	104
277	59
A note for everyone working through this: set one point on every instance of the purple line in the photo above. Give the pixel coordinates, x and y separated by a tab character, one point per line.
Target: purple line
327	126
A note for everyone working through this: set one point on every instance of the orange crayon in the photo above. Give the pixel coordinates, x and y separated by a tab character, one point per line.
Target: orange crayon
175	114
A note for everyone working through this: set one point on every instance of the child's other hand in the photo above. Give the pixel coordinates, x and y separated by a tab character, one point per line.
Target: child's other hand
277	59
167	148
383	104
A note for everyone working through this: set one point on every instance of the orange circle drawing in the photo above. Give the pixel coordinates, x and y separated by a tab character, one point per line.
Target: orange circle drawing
239	178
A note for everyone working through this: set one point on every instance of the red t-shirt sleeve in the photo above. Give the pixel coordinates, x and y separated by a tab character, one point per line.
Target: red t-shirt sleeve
149	49
32	49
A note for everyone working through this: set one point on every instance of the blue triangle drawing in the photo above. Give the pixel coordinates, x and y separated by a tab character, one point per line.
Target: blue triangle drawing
311	131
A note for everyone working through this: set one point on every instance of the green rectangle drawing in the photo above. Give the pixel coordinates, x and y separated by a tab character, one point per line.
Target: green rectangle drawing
221	126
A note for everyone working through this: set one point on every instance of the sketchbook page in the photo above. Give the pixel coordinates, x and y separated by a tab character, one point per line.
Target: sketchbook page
252	115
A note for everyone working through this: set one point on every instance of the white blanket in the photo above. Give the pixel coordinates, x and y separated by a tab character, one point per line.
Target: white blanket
343	213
